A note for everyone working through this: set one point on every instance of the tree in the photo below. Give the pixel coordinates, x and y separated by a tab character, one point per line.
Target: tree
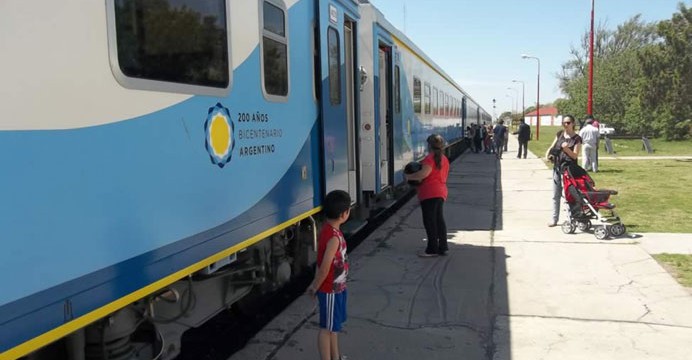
667	66
617	76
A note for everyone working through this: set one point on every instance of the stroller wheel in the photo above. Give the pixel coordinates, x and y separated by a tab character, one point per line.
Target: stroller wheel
568	227
584	226
601	232
618	230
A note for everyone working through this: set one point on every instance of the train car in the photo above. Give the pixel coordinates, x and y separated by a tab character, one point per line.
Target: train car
410	98
164	160
145	145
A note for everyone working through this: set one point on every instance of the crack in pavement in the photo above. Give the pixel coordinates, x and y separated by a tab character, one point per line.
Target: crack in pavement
647	312
614	321
439	325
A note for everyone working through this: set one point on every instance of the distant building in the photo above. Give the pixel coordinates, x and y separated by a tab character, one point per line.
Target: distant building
549	117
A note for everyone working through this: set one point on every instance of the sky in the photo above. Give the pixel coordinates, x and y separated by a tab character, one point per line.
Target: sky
479	42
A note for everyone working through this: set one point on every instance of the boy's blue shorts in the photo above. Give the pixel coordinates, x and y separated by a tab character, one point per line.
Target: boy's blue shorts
332	310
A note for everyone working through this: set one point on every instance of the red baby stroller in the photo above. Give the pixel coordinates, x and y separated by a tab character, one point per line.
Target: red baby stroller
585	201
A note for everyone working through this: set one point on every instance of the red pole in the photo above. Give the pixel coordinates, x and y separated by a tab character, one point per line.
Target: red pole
589	106
538	101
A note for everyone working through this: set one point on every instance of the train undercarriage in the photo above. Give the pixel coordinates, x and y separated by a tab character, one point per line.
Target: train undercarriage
152	327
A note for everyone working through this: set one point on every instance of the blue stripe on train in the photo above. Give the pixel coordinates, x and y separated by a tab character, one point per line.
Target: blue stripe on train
31	316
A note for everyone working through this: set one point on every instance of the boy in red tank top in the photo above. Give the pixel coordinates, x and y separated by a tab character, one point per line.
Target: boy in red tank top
329	284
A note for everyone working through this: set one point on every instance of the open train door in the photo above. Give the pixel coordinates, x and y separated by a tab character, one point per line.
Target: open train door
384	115
338	62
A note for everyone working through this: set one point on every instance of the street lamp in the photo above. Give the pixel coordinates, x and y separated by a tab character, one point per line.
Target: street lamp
522	96
538	93
517	103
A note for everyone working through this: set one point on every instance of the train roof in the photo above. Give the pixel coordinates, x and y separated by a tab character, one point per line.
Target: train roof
382	20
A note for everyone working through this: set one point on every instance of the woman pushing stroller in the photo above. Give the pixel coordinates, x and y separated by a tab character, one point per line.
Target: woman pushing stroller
564	149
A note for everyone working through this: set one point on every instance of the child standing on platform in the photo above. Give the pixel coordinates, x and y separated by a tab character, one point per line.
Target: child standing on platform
329	284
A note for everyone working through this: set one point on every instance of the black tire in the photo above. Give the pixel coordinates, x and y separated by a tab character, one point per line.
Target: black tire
618	230
601	232
584	225
568	227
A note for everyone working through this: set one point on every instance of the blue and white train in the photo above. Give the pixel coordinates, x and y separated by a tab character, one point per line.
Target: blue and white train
164	159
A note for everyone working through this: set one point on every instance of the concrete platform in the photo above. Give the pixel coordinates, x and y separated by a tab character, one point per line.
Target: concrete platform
510	288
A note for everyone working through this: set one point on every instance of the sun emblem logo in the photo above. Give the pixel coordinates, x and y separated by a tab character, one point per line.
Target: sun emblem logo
219	132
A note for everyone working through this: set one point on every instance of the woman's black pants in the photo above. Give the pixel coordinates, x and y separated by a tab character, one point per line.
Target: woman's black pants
435	227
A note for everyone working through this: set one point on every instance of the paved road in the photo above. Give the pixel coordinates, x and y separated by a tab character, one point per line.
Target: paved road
510	288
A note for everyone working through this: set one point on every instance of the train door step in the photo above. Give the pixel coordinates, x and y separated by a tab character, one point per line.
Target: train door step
381	206
353	226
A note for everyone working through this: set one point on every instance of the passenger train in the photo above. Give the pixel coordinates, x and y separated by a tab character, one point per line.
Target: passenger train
163	160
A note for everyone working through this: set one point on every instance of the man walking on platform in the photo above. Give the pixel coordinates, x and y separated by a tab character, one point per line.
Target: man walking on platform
589	135
524	134
499	132
506	140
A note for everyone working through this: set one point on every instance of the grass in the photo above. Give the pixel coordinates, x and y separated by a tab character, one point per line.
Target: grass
622	147
678	265
653	194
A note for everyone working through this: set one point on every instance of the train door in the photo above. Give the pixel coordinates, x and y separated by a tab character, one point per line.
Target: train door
351	128
337	22
384	116
401	129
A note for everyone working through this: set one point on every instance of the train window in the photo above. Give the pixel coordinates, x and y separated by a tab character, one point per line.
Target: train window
397	90
274	50
441	104
334	60
434	100
416	95
170	45
426	97
447	105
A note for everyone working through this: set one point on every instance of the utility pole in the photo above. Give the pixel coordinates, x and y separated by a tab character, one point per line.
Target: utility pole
589	106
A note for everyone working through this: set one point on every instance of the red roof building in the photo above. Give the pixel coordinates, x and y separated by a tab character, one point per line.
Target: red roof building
549	116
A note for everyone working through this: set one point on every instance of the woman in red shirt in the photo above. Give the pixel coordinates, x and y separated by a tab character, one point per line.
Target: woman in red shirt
432	193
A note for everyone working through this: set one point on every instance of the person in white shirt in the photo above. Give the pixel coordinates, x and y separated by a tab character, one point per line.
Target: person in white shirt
589	135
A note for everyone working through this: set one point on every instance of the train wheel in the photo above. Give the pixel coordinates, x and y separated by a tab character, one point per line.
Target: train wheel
601	232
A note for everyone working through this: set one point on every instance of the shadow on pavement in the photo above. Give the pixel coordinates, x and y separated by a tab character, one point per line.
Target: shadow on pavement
449	307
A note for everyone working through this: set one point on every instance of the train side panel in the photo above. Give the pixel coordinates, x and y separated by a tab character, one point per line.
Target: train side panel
112	192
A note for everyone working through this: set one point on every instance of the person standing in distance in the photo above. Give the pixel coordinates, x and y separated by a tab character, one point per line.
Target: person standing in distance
564	149
524	135
329	284
506	140
589	135
432	193
499	133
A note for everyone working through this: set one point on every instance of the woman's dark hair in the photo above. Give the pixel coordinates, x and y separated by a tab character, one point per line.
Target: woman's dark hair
436	143
335	203
571	118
